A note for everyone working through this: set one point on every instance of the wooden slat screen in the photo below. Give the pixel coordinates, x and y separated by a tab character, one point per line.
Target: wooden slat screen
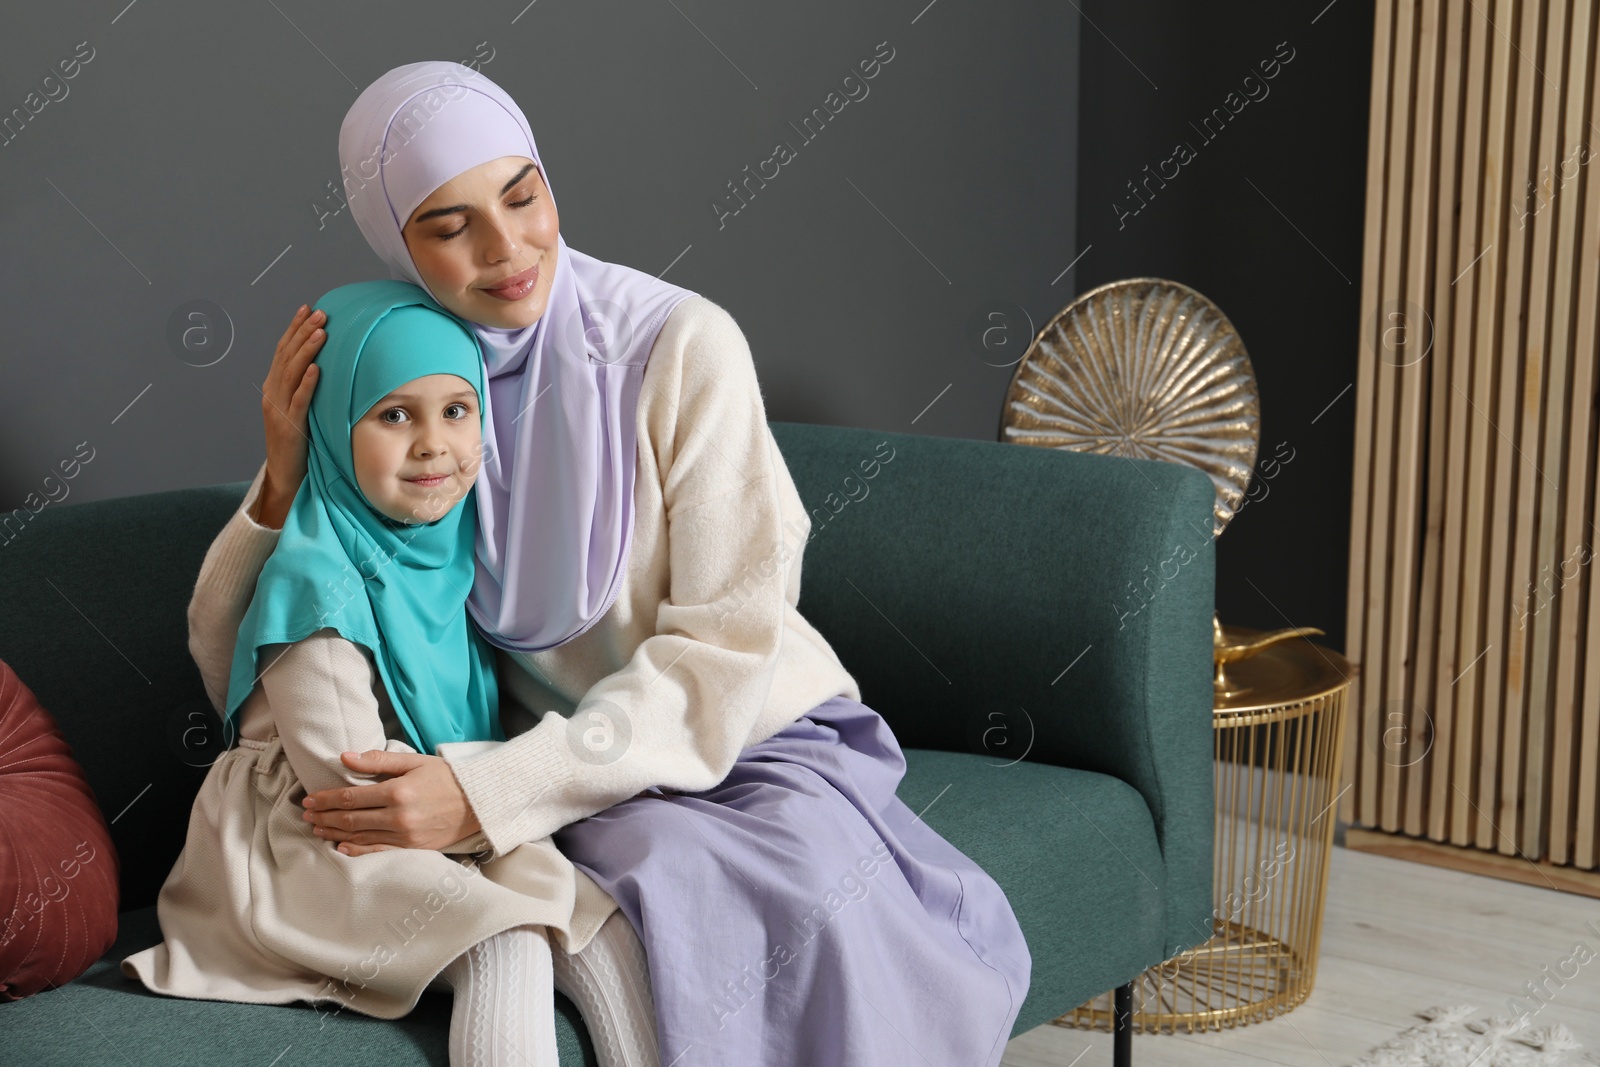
1472	609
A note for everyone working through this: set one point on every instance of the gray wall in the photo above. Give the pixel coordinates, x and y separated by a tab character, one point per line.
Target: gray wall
1267	221
187	159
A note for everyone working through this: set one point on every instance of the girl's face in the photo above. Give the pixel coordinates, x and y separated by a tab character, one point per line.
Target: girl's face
417	451
483	227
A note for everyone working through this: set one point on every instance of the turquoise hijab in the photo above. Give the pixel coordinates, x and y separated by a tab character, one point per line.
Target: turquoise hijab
397	588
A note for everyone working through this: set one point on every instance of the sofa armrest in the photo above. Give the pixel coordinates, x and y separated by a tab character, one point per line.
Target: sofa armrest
1063	595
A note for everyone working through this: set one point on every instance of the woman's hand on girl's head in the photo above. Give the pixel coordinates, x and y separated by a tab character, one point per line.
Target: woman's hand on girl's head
285	400
421	806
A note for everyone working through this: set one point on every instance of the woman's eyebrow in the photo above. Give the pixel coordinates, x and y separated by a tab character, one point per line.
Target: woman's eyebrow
504	189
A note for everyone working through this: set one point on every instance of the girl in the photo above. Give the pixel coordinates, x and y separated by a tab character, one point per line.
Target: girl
700	750
357	634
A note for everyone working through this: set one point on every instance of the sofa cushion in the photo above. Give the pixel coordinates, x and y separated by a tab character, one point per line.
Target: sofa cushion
106	1017
1076	853
58	869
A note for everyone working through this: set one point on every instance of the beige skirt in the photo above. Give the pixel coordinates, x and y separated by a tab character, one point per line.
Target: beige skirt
259	910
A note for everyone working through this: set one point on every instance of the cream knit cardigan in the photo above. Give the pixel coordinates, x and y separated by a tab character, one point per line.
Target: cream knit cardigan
703	652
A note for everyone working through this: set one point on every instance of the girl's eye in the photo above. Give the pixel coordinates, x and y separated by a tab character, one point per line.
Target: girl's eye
463	408
458	233
384	416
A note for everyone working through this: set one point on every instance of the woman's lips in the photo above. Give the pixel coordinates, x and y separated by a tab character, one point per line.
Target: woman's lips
518	287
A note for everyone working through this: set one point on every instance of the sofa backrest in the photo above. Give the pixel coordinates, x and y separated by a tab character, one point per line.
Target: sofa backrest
93	617
971	574
955	579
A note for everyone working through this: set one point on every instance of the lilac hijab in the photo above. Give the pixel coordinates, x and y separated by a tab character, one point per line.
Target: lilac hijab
555	491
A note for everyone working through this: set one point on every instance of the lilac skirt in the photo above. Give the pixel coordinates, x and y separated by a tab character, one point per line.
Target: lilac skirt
799	913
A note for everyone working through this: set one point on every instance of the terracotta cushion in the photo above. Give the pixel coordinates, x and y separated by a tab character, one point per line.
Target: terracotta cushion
58	869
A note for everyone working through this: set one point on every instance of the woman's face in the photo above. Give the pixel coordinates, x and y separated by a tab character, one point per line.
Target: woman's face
485	226
417	451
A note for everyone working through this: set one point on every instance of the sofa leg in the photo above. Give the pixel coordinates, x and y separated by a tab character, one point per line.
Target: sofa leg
1122	1027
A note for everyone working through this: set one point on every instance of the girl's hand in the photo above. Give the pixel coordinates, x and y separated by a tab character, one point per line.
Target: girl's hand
285	399
422	806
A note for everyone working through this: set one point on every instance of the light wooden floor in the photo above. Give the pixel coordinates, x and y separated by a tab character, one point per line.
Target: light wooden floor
1397	937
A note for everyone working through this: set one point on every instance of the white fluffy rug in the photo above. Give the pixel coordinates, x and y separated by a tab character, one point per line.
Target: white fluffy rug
1455	1036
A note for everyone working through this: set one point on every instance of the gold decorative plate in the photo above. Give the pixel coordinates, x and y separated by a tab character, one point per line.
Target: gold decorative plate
1142	367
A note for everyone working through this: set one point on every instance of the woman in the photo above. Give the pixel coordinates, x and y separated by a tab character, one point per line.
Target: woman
694	745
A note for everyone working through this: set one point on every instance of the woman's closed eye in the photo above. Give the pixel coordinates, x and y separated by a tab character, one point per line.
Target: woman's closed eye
458	233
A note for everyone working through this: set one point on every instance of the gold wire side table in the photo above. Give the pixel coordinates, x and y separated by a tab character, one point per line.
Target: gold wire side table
1279	728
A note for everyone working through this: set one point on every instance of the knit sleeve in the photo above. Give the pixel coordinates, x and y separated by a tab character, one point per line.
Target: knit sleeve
321	692
681	709
223	591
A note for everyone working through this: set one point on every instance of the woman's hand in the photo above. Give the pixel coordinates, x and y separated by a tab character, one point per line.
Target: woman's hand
421	807
285	399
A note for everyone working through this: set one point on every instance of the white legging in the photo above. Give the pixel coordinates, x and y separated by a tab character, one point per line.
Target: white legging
504	1010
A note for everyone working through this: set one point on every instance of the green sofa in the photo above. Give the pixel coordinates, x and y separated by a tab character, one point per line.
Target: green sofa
1013	612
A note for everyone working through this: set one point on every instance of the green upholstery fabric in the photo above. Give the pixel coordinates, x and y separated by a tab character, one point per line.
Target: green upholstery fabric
983	594
967	577
105	1018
